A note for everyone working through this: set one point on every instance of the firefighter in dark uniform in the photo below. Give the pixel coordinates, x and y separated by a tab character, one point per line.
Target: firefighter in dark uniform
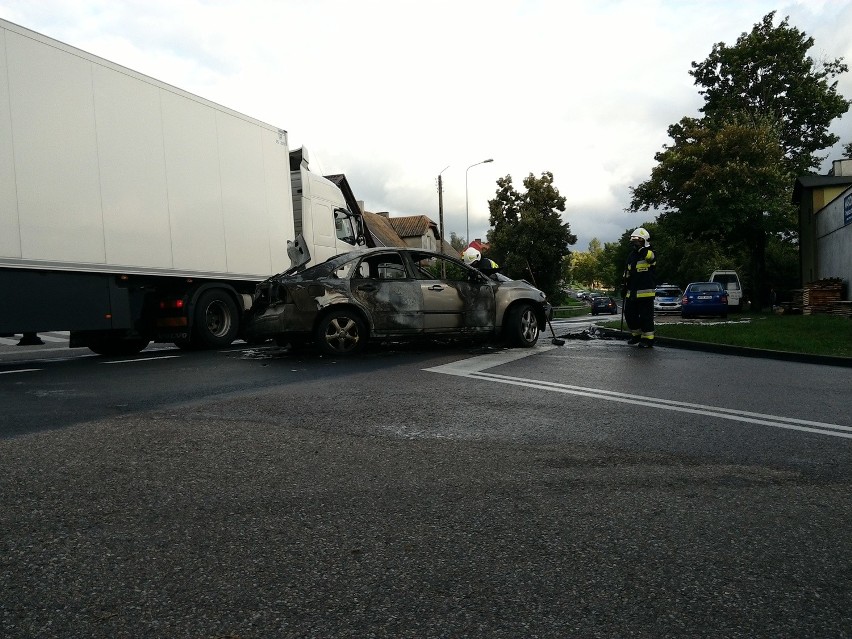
638	289
485	265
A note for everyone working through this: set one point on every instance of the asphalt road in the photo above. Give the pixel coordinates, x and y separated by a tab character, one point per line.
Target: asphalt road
588	490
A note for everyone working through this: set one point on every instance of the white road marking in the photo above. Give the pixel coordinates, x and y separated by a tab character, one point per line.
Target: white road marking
20	370
141	359
474	367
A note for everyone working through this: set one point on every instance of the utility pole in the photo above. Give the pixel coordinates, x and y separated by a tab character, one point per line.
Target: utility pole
441	208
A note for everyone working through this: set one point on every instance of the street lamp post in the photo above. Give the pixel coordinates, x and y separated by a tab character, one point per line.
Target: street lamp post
466	207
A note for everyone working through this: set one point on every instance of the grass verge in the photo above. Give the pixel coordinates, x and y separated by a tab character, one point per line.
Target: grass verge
813	334
574	310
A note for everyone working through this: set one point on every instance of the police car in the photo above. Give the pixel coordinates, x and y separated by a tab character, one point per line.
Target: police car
667	298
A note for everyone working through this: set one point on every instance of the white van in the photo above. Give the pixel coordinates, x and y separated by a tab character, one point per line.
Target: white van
731	282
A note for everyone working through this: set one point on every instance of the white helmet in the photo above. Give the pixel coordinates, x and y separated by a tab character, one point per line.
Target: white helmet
471	255
641	234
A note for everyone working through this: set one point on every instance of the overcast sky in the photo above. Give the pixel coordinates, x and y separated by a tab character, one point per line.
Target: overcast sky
390	92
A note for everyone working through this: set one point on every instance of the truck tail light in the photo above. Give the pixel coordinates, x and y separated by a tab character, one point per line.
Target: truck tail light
171	304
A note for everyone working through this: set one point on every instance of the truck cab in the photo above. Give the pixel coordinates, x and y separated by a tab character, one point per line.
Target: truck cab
320	214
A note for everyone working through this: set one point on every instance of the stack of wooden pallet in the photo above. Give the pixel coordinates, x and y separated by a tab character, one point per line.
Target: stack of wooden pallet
842	308
820	296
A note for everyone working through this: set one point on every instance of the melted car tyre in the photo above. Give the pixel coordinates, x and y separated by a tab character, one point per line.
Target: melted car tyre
341	332
522	326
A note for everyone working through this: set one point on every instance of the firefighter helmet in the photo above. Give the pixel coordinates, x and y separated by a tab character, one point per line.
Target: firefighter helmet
641	234
471	255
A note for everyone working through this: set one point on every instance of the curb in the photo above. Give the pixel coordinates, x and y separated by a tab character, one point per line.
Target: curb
742	351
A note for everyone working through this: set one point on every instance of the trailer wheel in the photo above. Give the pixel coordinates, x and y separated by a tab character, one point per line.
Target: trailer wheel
113	346
216	320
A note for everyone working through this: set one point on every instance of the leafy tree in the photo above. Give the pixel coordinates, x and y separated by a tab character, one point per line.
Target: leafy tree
583	269
722	188
457	242
597	267
611	263
847	150
768	71
528	237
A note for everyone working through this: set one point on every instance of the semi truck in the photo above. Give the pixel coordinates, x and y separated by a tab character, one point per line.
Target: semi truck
132	211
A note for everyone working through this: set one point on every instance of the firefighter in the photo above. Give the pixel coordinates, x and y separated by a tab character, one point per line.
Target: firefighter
485	265
637	289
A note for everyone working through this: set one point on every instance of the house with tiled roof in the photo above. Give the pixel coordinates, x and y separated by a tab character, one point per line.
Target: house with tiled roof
417	231
479	245
380	231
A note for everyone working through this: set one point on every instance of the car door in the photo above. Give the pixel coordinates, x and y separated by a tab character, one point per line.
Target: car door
456	298
382	285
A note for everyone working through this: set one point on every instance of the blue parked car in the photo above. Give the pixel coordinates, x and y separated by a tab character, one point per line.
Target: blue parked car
704	298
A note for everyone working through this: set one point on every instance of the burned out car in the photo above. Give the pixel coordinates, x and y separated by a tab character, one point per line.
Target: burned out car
384	293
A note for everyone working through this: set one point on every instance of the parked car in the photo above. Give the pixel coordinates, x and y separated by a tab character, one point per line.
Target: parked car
604	304
667	298
704	298
393	293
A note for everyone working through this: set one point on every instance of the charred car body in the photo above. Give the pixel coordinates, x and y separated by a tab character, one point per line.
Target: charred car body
393	293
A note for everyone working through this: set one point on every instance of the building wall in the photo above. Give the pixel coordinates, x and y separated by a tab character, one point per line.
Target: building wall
811	204
834	239
428	241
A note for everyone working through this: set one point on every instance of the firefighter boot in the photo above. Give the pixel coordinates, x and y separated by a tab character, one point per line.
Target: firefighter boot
646	342
634	339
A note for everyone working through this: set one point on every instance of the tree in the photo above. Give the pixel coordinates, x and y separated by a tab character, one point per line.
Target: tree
457	242
595	268
768	71
847	150
722	187
528	237
584	269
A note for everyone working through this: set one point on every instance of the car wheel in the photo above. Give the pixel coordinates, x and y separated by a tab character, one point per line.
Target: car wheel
522	326
341	332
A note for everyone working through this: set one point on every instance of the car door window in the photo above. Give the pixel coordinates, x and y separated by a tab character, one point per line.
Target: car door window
456	298
383	289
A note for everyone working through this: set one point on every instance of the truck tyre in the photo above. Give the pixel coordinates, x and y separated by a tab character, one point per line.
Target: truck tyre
341	332
521	326
215	320
114	346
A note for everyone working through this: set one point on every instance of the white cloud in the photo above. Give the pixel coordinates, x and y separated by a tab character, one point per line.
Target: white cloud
390	92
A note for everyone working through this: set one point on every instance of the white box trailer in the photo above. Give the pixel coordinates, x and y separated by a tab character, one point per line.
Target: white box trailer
132	210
